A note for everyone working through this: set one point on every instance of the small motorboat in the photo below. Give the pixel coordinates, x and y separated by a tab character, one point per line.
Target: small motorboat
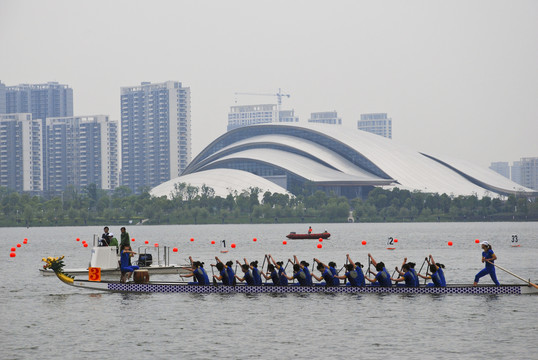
323	235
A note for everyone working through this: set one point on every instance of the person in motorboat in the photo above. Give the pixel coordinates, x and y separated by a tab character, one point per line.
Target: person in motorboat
382	278
125	266
326	275
247	277
309	230
272	274
488	258
406	276
112	241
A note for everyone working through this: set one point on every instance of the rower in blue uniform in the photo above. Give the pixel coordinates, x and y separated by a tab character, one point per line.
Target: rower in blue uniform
412	269
255	271
304	266
354	273
406	276
488	258
326	275
283	280
273	274
248	278
299	275
332	267
223	274
437	276
382	278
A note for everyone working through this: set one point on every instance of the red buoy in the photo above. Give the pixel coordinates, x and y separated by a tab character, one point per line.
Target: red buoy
146	242
78	239
284	242
192	239
25	241
395	240
85	245
450	243
254	239
156	245
13	249
174	249
19	245
233	246
12	254
477	241
364	242
320	239
133	239
212	242
320	246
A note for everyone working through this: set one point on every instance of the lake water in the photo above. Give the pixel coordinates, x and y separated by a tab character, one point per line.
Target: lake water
42	317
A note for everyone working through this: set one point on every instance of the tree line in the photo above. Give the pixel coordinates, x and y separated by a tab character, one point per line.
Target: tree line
199	205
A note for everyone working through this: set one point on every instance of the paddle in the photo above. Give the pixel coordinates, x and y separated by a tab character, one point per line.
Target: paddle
511	273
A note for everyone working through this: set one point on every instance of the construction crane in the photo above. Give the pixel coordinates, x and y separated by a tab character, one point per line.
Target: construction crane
278	95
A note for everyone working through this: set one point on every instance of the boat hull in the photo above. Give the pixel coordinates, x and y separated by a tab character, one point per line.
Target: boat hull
293	236
155	287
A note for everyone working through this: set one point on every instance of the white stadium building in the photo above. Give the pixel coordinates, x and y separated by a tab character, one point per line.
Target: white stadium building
284	158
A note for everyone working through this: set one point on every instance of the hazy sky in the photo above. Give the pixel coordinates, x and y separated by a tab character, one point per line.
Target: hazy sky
458	78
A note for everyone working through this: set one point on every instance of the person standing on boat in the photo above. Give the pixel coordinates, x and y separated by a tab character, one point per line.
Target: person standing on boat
112	241
382	278
248	278
124	237
309	230
488	258
125	265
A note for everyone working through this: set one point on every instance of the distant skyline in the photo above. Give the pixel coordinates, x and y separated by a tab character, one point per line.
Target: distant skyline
458	78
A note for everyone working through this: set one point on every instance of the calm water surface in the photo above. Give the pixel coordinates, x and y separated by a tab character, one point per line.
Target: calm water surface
42	317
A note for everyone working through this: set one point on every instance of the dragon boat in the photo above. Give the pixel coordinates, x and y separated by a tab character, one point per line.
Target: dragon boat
56	265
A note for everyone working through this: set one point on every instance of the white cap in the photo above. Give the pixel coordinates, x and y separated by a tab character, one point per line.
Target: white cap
484	243
110	234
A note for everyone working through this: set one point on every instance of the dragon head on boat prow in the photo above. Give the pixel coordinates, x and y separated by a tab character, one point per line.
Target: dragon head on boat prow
56	264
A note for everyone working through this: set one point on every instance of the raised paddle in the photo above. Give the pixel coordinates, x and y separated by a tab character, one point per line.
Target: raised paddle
511	273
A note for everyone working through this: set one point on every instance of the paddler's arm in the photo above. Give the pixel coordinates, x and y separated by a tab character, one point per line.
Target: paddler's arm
372	260
316	277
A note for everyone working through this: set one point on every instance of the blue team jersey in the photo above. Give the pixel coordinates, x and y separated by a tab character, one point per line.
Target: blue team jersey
256	276
328	277
281	278
336	281
249	278
124	260
275	277
301	277
436	278
308	276
417	281
225	277
353	277
488	255
409	279
383	277
442	276
231	275
360	281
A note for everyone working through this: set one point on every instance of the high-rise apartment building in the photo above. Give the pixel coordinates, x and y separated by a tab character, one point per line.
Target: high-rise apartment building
377	123
80	151
2	98
245	115
155	133
21	153
529	172
501	167
515	172
325	117
42	101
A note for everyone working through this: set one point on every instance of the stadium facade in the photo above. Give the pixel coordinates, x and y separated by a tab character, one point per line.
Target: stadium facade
331	159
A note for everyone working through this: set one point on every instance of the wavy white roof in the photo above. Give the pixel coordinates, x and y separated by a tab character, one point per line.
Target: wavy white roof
335	156
223	181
